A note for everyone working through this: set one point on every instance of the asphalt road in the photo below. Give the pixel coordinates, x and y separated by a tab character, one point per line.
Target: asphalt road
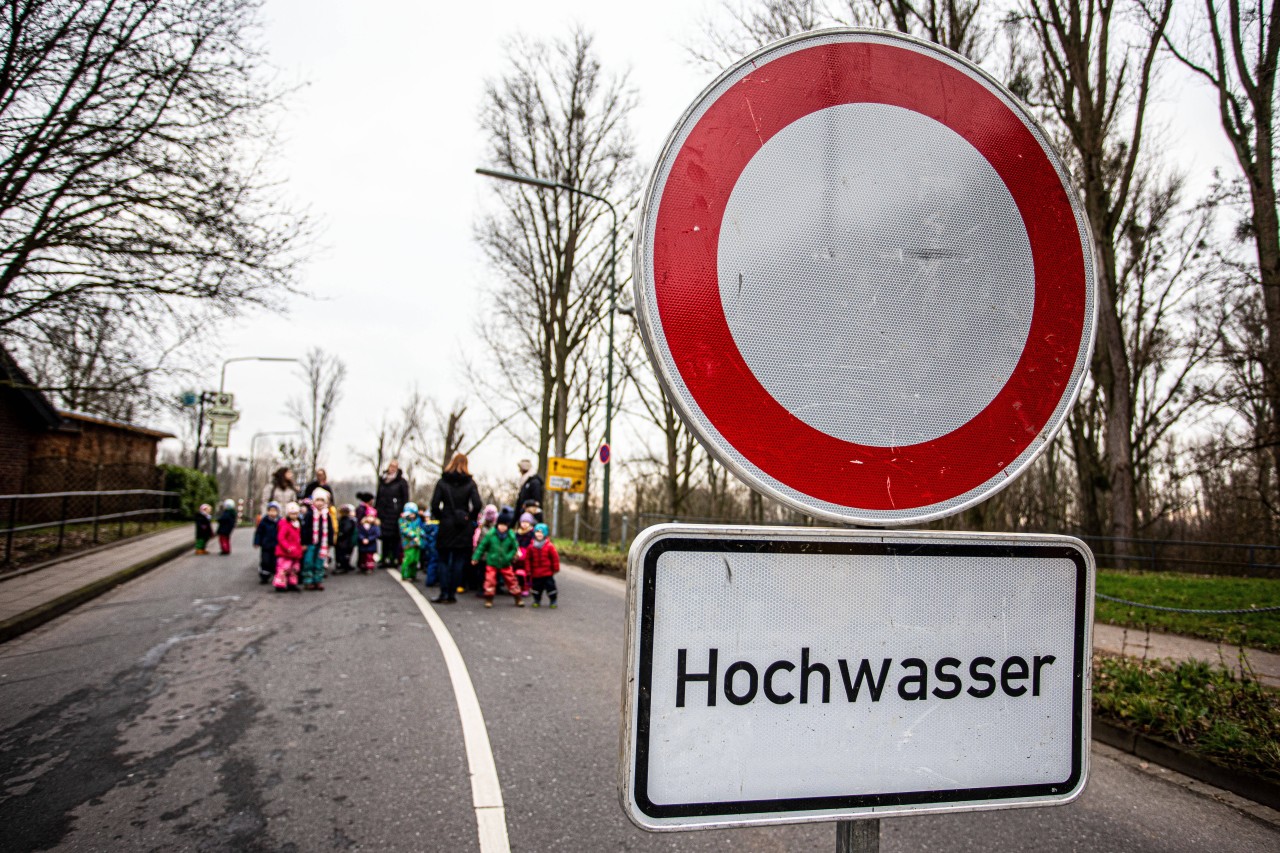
195	710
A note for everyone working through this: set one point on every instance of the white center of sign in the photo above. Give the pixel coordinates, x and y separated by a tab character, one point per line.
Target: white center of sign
876	274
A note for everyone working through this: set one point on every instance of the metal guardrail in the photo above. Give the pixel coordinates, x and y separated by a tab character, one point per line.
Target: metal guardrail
164	505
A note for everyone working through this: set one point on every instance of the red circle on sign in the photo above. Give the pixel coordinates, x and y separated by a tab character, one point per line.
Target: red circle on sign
605	454
685	279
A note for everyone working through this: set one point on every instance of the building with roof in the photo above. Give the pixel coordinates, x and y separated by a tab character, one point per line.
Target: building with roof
47	449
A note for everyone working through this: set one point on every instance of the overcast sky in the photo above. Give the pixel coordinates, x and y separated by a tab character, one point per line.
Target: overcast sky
380	144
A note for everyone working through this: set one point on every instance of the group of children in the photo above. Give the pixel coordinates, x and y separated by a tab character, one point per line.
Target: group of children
525	558
295	542
226	524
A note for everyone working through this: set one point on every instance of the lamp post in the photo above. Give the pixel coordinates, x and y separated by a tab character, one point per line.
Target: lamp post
222	386
542	183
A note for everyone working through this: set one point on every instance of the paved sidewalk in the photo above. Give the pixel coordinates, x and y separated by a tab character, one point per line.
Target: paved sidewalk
1137	643
30	599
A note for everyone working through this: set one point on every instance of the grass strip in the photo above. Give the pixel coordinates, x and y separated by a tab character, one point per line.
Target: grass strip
596	557
1195	705
1200	592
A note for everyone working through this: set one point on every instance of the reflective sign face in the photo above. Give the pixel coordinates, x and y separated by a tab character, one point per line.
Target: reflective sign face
781	675
864	279
566	475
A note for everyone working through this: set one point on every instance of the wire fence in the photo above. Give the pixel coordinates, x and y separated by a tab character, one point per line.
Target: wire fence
80	518
1154	555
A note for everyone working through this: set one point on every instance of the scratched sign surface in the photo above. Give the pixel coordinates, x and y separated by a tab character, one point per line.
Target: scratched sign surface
864	278
780	675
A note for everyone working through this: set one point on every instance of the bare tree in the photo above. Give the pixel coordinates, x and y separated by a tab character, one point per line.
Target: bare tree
557	115
955	24
958	25
1096	84
131	133
1234	46
324	374
95	355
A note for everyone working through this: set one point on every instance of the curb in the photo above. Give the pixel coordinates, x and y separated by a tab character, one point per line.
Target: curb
37	616
1184	761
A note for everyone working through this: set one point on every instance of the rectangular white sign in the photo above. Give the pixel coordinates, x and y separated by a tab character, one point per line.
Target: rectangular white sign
790	674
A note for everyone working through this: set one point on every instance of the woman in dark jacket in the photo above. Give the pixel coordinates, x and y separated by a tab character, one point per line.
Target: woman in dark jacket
393	494
455	503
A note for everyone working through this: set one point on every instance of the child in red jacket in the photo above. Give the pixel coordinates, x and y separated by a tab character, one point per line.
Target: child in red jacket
288	549
543	561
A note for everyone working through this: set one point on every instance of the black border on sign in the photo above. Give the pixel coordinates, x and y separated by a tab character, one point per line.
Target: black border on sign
640	780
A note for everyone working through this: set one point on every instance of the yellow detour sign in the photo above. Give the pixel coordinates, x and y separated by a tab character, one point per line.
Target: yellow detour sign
566	475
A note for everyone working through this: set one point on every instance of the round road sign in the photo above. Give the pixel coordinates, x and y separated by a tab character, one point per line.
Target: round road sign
605	454
864	278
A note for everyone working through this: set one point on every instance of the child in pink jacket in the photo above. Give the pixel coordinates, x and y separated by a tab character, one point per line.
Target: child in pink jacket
288	549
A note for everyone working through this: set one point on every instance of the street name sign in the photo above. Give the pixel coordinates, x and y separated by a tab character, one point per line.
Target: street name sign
864	278
222	416
566	475
778	675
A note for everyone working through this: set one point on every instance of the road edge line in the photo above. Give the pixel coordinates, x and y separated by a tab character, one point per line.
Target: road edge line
486	792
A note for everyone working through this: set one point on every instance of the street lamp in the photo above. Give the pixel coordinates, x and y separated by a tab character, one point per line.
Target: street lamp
542	183
222	386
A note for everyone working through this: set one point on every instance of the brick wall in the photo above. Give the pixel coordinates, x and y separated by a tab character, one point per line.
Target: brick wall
15	448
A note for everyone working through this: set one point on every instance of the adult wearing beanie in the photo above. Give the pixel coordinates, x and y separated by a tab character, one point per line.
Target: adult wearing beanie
530	496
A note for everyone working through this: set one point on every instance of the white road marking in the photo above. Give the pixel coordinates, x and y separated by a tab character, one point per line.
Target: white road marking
486	793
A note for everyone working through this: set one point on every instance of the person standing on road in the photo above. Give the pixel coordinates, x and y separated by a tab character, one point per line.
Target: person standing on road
413	534
484	523
264	538
530	497
497	551
393	494
288	549
454	503
543	561
346	543
281	489
369	534
204	528
317	539
226	526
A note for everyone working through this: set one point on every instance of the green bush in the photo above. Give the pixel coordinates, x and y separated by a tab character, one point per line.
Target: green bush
193	488
1202	707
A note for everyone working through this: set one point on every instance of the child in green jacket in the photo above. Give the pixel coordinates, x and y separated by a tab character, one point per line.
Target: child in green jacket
412	536
498	550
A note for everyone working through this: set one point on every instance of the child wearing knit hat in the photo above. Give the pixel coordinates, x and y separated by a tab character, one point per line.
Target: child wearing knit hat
543	561
497	551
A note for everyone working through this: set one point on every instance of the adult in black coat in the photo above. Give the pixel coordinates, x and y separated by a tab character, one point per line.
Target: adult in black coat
455	503
393	494
530	491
